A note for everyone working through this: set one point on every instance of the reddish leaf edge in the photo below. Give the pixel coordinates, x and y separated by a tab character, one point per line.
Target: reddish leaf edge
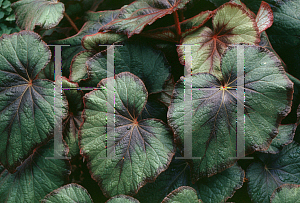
56	191
85	156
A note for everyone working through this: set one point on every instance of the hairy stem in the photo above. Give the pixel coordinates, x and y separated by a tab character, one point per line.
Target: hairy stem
177	25
71	22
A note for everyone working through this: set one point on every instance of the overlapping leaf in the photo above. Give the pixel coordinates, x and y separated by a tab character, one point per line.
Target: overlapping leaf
182	194
187	26
44	13
284	137
217	188
27	103
284	34
36	177
272	171
268	95
132	18
136	57
68	193
92	26
143	148
91	44
73	120
232	24
287	193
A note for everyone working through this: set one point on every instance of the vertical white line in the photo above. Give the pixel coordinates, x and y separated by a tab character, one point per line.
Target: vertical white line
240	127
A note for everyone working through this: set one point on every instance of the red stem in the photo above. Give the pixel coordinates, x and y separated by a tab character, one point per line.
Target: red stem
177	25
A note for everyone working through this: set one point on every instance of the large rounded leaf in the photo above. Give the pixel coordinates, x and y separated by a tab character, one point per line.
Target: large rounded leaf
136	57
27	103
268	94
182	194
272	171
143	149
68	193
287	193
44	13
35	178
232	24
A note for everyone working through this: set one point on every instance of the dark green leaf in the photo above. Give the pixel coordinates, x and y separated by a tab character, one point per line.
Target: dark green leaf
272	171
143	149
136	57
27	103
73	120
35	178
268	94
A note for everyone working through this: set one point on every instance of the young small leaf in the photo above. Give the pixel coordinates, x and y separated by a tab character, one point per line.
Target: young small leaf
232	24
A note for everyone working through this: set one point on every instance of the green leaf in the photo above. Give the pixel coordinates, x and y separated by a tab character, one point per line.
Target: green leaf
166	94
187	26
27	103
287	193
73	120
68	193
284	34
232	24
177	174
284	137
35	178
91	44
143	149
136	57
122	199
44	13
272	171
214	109
221	186
92	26
217	188
182	194
131	19
78	69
